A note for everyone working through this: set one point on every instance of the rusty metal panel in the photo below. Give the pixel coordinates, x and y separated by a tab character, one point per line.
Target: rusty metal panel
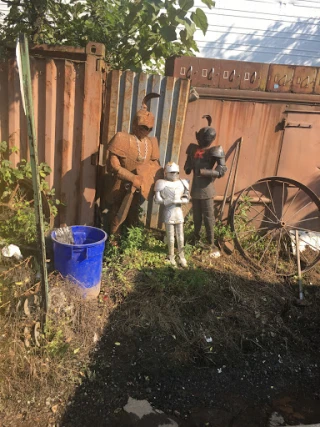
169	111
280	78
66	193
208	73
317	83
304	79
14	111
179	121
300	150
255	122
201	72
254	76
125	101
50	114
230	74
92	106
4	101
67	118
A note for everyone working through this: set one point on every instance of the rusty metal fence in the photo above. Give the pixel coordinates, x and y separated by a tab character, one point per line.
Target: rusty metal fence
123	97
67	93
78	108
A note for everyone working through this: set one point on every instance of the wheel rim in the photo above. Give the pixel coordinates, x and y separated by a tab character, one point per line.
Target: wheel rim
265	218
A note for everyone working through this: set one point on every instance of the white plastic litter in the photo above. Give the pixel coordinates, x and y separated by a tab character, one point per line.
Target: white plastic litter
307	239
12	251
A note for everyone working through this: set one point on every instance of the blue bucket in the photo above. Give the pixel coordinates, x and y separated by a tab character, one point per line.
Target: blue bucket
81	262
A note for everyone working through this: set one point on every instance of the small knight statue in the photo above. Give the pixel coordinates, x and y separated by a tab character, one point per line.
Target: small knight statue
172	192
207	163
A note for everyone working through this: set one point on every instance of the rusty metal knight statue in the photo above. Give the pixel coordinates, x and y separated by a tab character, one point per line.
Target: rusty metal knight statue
207	163
173	192
133	160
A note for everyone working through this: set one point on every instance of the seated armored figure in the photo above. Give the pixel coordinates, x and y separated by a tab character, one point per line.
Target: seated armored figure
207	163
133	161
172	192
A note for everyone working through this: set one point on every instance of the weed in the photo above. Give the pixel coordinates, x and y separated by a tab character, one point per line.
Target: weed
223	232
17	216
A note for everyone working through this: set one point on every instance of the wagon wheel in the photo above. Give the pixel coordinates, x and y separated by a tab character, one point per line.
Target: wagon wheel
265	218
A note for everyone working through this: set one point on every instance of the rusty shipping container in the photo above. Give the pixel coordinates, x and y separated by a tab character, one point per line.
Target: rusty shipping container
67	92
276	109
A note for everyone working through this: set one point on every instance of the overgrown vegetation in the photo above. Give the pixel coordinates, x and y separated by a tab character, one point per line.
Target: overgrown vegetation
215	313
137	34
17	216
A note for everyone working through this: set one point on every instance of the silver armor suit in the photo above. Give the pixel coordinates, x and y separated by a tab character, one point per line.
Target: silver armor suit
172	192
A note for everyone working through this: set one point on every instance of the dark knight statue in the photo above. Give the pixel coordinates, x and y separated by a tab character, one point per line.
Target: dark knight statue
207	164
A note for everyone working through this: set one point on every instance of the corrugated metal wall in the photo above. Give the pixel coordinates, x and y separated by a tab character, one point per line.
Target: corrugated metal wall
124	94
67	103
279	137
68	97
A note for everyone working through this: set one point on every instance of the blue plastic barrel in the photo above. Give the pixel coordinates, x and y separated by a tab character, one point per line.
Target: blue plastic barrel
81	262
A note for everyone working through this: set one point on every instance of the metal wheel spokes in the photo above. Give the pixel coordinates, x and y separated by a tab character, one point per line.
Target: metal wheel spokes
265	217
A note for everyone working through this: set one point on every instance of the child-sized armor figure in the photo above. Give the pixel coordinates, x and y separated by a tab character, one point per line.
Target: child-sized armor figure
172	192
207	163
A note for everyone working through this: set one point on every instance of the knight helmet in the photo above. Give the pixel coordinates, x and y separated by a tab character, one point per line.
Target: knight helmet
144	117
206	135
171	167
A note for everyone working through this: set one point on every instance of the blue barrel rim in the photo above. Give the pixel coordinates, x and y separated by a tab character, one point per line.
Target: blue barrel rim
84	245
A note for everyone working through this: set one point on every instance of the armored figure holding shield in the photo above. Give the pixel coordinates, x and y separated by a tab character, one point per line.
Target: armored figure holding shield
207	164
133	160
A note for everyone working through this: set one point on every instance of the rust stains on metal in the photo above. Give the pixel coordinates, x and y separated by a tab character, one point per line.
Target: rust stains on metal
92	106
299	158
248	95
50	114
67	142
180	118
253	76
3	103
124	94
127	82
14	125
304	79
67	121
255	122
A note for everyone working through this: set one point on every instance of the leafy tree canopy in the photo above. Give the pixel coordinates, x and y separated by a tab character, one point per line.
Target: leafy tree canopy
137	33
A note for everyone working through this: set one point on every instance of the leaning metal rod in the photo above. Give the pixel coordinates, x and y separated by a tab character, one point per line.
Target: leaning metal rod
228	181
301	296
235	177
23	62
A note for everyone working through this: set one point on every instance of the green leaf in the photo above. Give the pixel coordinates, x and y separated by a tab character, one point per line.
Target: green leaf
168	33
200	19
3	146
209	3
186	4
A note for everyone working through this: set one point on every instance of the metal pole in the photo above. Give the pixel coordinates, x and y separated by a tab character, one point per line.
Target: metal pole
22	51
235	177
235	155
301	296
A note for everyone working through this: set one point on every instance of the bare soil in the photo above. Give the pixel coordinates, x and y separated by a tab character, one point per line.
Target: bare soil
216	345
